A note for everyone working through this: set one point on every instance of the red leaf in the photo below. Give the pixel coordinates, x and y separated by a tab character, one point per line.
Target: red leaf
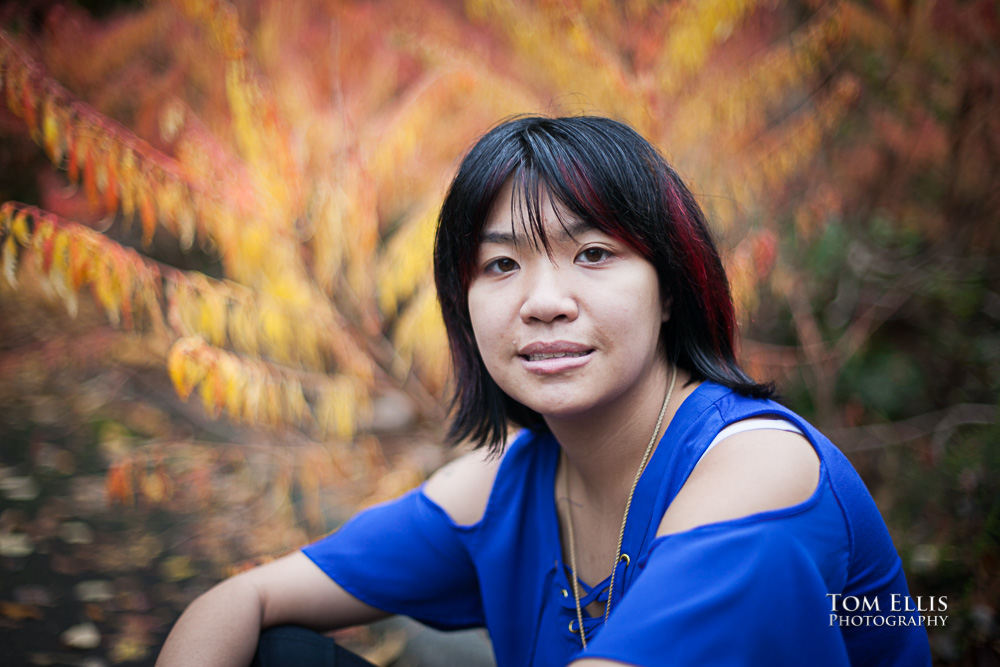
72	150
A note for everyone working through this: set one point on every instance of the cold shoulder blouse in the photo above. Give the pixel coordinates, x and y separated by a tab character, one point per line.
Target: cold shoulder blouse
758	590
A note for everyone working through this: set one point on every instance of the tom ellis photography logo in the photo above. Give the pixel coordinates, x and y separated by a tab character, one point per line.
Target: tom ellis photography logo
896	610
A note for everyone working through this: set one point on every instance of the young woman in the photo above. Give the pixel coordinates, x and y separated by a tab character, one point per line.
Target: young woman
655	508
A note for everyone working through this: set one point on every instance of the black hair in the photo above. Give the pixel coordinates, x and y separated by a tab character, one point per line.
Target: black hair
608	176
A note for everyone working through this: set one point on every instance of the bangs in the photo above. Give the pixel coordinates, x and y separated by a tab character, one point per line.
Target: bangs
554	175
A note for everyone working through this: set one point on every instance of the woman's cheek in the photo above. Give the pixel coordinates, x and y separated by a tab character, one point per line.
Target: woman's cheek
485	324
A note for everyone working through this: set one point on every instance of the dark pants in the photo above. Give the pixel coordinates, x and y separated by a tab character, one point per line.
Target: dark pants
293	646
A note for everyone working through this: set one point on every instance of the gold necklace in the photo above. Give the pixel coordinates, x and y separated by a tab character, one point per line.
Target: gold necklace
621	532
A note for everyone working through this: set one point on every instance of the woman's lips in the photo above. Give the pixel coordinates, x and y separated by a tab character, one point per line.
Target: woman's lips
554	355
547	358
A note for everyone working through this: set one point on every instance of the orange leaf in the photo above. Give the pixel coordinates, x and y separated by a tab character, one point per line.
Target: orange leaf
118	483
47	234
127	178
79	264
90	177
111	186
48	245
148	217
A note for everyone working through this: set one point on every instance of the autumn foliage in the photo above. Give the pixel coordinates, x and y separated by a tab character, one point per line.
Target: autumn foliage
241	197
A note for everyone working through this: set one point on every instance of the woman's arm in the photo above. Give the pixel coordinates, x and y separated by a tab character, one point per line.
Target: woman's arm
222	626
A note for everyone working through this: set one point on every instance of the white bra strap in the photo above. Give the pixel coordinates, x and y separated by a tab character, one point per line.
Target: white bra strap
753	424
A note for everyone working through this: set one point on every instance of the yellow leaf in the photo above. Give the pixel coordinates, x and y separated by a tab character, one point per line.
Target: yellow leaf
235	384
19	228
177	568
108	294
242	327
176	359
60	253
337	407
212	389
185	371
128	176
275	328
295	401
154	488
212	312
272	403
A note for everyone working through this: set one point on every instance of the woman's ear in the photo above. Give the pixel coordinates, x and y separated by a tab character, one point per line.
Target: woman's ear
667	302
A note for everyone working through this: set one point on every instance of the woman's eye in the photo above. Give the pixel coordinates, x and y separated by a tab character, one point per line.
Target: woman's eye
593	255
501	265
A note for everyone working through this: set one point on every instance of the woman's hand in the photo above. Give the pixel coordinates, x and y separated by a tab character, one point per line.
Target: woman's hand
221	628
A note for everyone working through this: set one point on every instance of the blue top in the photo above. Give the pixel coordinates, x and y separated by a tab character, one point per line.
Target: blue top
749	591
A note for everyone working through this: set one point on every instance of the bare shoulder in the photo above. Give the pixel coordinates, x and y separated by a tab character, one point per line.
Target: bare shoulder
750	472
462	488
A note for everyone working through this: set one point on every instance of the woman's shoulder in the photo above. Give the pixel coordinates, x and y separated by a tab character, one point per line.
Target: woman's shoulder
753	471
463	487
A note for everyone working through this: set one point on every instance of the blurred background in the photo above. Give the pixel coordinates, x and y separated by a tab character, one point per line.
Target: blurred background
218	329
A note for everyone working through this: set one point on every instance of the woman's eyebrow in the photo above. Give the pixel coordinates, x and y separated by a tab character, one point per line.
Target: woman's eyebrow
568	230
502	238
574	227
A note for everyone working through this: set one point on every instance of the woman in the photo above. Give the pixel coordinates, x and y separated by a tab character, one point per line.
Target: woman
653	497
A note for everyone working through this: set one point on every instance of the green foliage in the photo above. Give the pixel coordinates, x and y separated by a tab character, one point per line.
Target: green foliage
945	506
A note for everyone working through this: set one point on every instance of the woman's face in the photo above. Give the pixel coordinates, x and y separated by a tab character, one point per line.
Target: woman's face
571	332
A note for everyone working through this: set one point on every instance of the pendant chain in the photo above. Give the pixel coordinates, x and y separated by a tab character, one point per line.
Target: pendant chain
621	532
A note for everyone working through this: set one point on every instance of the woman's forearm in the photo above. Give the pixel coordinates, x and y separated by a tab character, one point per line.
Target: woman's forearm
219	629
222	627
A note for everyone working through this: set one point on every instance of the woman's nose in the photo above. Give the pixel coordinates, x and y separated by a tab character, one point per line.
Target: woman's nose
548	294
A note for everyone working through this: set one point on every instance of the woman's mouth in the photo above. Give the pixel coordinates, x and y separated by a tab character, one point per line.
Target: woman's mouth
552	358
554	355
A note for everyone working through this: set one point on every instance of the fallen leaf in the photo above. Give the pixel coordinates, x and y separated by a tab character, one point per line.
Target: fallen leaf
95	590
83	637
177	568
76	532
129	649
33	595
18	611
94	612
16	545
19	488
